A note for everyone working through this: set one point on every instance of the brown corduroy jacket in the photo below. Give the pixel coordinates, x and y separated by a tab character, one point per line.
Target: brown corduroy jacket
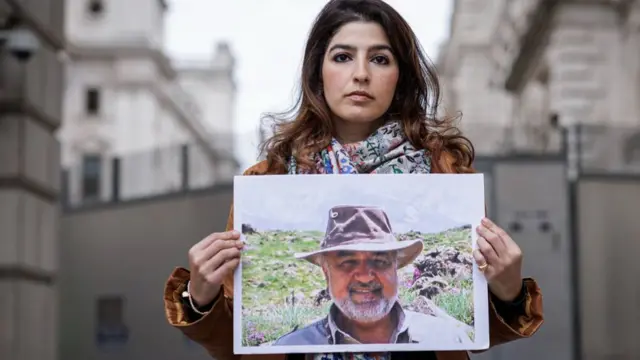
214	331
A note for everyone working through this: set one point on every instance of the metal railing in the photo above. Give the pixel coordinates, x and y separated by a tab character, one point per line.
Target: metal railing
606	148
493	140
145	174
590	148
587	148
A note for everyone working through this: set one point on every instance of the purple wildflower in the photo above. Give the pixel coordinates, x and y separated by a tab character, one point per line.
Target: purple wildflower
256	338
416	274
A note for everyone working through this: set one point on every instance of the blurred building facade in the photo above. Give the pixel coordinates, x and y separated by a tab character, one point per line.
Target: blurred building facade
520	69
31	86
131	113
523	72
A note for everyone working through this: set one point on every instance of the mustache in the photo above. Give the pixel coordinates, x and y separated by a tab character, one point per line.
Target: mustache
370	286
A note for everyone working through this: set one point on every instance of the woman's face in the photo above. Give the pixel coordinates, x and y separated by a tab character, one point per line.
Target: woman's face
359	73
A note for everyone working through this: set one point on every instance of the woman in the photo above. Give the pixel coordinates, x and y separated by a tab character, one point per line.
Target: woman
365	85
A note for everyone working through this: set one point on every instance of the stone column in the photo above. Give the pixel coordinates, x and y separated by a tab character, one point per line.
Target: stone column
589	70
31	86
584	53
629	74
486	108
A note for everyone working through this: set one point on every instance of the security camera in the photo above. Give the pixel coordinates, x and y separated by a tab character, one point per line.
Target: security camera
20	42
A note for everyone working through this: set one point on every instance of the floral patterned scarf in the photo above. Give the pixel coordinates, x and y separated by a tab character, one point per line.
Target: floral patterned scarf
386	151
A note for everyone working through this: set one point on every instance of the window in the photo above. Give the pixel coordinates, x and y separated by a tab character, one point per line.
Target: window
92	101
91	175
554	120
111	327
95	8
634	156
631	150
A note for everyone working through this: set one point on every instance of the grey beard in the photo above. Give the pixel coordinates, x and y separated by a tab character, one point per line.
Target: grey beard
367	312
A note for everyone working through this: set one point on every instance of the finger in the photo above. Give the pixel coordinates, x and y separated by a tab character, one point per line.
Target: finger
493	239
206	254
227	235
487	251
219	259
217	277
229	266
479	258
509	245
203	243
496	230
483	265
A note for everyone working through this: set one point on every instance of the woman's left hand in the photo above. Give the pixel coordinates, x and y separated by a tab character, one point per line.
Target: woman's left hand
500	259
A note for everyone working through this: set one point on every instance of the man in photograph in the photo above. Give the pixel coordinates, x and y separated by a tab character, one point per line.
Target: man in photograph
360	258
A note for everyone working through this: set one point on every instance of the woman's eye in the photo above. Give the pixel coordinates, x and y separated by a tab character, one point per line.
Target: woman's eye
340	58
380	60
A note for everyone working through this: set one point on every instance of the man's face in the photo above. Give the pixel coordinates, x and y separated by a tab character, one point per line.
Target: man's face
363	285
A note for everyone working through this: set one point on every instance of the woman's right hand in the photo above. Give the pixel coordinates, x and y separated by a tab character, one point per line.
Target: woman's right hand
210	261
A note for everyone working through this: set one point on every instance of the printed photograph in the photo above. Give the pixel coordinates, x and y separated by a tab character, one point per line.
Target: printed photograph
359	263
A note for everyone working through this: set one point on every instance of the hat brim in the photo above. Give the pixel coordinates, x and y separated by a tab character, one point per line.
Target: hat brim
408	250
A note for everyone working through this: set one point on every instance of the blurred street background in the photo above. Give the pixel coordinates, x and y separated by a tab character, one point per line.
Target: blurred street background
123	122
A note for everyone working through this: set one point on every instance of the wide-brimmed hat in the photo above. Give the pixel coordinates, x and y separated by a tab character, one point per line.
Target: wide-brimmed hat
362	228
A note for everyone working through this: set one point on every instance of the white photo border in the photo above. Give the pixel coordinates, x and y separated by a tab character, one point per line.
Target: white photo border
480	288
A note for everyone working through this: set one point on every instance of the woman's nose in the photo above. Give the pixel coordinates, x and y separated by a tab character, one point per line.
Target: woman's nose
361	72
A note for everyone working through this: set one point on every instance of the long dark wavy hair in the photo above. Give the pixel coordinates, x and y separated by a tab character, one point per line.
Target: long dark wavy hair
306	128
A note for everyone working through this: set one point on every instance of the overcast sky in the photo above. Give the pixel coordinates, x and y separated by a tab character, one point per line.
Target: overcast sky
267	37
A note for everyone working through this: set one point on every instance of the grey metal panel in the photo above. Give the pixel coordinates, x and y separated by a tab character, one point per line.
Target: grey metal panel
530	194
609	267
